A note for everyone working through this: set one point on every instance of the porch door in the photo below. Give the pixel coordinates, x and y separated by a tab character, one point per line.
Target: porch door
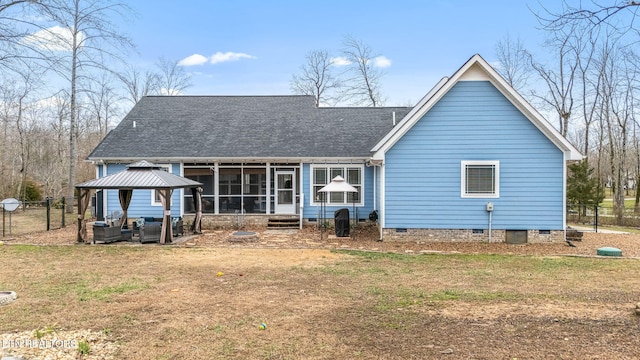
285	192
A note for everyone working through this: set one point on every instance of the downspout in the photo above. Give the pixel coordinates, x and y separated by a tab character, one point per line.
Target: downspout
105	198
375	187
564	195
378	164
382	212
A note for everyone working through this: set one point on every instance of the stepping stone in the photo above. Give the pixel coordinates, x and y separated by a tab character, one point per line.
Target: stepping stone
244	236
609	251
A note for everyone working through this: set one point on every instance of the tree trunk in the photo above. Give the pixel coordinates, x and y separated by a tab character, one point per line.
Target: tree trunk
73	132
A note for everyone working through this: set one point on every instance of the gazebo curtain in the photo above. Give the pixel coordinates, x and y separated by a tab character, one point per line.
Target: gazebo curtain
196	227
83	203
125	199
166	234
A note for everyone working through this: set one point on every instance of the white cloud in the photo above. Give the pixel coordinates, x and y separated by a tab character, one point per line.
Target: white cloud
340	61
220	57
195	59
382	62
55	38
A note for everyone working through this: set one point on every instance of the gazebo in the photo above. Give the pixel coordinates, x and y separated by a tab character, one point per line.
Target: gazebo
140	175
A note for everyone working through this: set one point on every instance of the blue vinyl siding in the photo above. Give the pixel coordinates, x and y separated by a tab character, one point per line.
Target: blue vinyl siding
473	121
141	199
310	211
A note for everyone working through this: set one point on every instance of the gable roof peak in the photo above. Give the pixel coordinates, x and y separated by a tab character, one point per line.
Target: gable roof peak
475	69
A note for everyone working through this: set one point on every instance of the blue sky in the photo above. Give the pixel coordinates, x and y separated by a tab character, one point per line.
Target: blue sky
265	42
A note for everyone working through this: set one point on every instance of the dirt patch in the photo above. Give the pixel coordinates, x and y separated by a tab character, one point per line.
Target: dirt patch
206	297
365	239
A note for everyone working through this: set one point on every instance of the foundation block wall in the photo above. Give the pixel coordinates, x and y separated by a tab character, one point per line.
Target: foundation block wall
227	221
466	235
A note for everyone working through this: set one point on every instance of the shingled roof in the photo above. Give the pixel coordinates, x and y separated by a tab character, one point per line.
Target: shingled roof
244	127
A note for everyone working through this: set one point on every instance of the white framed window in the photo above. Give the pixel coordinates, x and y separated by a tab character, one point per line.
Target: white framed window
155	196
480	179
321	175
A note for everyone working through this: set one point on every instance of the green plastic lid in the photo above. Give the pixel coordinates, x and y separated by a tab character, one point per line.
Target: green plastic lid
609	251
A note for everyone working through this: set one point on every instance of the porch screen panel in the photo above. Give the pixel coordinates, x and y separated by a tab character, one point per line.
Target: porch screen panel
230	187
204	176
254	190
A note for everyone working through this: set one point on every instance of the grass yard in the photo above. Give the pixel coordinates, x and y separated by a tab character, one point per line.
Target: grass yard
169	303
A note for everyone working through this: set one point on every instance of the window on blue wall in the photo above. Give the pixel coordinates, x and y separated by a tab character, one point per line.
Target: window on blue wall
155	195
322	175
480	179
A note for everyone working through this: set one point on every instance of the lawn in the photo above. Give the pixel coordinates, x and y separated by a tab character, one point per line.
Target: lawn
157	302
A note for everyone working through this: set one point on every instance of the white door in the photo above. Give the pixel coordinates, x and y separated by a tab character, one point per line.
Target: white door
285	192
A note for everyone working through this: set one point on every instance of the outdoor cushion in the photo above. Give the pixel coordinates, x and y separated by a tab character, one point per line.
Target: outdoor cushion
149	219
139	222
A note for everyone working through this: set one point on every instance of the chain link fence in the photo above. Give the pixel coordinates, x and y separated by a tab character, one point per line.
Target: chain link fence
34	216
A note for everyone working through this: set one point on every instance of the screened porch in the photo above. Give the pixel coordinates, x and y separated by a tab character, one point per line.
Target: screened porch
247	188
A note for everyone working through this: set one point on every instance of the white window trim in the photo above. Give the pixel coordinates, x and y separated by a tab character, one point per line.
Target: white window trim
312	200
463	178
153	191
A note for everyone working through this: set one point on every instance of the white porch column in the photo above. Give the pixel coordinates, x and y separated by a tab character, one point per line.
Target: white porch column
301	195
216	188
268	204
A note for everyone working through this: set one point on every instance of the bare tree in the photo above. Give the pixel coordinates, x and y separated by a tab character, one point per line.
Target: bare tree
595	16
560	79
25	121
589	83
102	102
316	77
14	27
138	84
53	162
514	63
362	79
173	80
9	155
89	38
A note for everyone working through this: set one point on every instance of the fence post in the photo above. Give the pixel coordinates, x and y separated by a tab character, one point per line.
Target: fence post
595	223
48	213
64	206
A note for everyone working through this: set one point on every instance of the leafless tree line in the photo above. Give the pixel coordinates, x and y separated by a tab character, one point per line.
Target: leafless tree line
62	90
588	86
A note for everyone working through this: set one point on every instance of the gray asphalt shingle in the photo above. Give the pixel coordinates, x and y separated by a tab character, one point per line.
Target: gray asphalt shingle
245	127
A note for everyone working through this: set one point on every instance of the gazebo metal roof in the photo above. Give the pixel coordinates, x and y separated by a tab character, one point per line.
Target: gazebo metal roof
140	175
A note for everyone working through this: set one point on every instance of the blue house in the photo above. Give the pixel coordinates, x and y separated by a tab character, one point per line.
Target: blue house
471	161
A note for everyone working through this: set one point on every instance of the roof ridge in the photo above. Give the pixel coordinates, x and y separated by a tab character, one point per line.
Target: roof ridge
220	96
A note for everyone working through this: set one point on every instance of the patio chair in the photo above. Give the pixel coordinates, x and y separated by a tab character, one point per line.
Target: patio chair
105	234
150	233
115	218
